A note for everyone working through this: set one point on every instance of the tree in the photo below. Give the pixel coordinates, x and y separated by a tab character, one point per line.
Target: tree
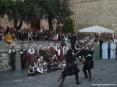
47	7
56	9
2	8
61	10
18	11
68	25
39	11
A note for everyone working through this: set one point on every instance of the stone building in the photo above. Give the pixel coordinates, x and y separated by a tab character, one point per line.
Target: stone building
88	13
4	57
4	23
94	12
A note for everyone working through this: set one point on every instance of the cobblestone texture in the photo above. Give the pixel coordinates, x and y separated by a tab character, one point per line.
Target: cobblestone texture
105	72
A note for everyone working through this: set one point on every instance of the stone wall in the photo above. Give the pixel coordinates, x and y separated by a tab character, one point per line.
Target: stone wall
94	12
4	47
4	61
4	23
91	12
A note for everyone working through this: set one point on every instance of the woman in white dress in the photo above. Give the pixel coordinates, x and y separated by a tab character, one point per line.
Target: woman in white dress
41	65
105	50
112	50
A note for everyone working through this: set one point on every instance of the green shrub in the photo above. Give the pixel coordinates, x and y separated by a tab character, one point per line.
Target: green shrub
68	25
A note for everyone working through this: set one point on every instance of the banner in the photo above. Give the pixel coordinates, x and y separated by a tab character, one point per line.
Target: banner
9	38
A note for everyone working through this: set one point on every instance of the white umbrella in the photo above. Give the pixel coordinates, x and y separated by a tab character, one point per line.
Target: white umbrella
96	29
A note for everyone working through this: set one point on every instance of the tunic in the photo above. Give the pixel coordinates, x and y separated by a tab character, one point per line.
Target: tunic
105	50
23	56
96	54
61	54
112	50
31	57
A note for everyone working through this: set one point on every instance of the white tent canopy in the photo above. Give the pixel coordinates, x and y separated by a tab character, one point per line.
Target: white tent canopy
96	29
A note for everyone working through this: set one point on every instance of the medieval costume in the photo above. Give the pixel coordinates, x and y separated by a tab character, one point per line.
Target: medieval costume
12	53
112	50
115	41
46	55
100	43
41	65
116	50
70	69
105	50
51	50
38	51
62	65
88	65
66	40
109	48
31	56
1	35
45	69
57	52
30	71
41	52
54	62
78	50
61	58
96	54
55	38
23	56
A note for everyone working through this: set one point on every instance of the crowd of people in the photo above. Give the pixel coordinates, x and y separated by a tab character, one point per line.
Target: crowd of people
43	59
31	35
63	52
103	46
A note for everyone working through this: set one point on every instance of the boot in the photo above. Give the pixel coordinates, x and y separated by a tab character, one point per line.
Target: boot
85	73
90	77
77	80
62	82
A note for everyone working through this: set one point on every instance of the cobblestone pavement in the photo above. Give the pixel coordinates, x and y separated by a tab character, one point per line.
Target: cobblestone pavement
105	72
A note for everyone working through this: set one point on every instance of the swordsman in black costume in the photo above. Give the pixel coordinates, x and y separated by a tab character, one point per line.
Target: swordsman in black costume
71	68
88	62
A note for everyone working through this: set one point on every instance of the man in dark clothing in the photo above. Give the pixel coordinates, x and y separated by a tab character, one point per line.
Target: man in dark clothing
100	42
71	68
12	53
88	65
23	56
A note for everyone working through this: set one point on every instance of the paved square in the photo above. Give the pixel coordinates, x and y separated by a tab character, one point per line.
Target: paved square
104	75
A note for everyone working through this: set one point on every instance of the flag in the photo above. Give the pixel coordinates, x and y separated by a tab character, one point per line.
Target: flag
9	38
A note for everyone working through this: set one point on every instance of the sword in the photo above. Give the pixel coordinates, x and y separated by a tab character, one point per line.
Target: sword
84	47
